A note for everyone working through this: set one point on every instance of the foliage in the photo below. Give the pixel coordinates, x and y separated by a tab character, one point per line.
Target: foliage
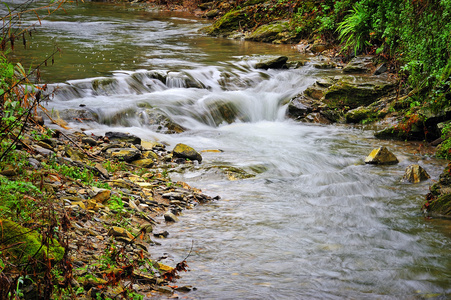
444	150
17	199
355	29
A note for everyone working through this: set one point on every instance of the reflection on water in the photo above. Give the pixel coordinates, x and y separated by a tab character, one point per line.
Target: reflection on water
314	223
98	38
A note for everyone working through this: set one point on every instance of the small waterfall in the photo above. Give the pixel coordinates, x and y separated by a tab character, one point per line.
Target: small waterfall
187	99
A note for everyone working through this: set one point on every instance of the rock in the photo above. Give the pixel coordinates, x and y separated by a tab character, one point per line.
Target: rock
34	163
356	115
184	151
160	121
325	65
27	244
90	141
102	195
93	205
45	145
149	155
272	63
358	65
317	118
143	163
415	174
133	205
381	156
269	32
74	154
163	234
119	232
103	172
382	68
352	92
42	151
148	228
123	137
164	289
9	170
125	154
229	23
170	217
206	5
212	13
319	47
439	199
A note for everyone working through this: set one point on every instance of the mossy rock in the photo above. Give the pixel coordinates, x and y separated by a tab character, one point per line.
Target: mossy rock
104	85
352	93
364	115
441	206
268	32
24	244
230	22
315	92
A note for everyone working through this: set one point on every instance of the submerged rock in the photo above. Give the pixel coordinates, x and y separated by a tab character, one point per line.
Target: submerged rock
381	156
415	174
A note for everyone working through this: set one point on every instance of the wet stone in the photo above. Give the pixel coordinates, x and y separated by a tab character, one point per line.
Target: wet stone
123	137
415	174
89	141
125	154
170	217
381	156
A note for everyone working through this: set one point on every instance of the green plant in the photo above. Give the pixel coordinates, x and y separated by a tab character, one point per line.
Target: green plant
444	149
354	30
18	199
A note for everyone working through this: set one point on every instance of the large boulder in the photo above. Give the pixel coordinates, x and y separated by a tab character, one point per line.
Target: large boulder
351	92
187	152
334	96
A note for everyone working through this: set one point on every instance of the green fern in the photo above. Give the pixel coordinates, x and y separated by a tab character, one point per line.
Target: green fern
354	30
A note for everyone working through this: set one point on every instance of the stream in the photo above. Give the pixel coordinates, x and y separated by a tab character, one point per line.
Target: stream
314	222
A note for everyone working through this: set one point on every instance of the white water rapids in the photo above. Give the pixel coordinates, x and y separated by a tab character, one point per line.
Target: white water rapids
314	223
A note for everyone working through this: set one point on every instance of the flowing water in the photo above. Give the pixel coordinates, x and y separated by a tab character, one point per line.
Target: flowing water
314	223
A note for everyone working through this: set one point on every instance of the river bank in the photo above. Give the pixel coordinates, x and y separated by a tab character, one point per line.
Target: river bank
104	195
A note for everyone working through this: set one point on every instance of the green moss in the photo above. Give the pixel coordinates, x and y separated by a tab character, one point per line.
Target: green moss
102	83
344	93
23	244
268	32
230	22
441	205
